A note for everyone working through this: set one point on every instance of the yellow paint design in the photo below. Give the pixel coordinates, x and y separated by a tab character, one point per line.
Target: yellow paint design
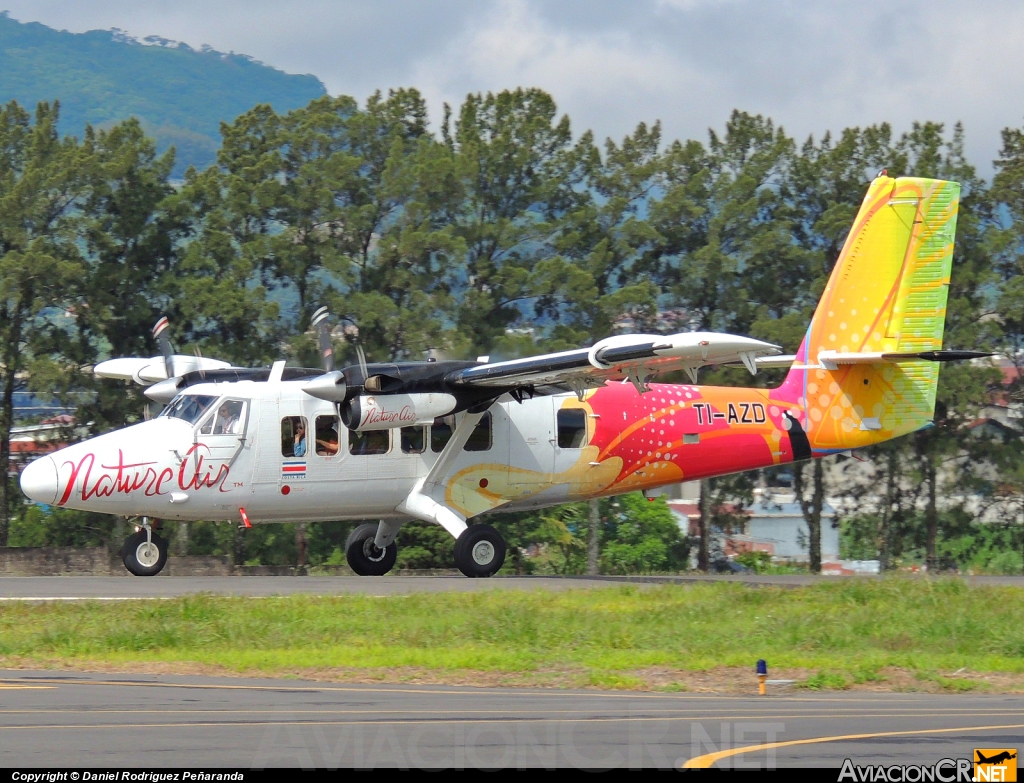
506	484
887	293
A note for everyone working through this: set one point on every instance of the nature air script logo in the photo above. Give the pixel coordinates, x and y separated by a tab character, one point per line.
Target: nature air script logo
376	413
998	764
124	478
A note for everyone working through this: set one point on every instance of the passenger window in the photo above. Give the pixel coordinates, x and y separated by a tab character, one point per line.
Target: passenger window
572	428
414	440
293	436
227	419
480	437
373	442
441	433
326	435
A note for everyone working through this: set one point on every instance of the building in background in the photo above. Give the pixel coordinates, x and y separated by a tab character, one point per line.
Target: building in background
774	524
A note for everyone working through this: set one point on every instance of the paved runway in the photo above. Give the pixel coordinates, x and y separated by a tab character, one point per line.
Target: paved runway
112	587
119	588
91	720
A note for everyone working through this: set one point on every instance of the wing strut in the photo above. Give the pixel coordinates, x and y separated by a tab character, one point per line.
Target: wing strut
419	503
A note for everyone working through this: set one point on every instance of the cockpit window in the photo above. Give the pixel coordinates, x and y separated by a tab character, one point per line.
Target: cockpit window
227	419
189	407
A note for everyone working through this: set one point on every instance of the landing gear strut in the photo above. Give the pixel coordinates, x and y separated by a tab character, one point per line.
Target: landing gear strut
365	557
144	553
479	551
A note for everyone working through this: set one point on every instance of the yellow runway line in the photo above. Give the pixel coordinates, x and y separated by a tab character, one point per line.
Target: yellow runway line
708	759
18	687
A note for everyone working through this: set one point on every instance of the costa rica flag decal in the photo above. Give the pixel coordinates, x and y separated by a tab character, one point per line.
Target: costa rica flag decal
293	469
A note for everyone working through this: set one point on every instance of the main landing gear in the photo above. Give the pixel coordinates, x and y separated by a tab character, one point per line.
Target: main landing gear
144	553
479	551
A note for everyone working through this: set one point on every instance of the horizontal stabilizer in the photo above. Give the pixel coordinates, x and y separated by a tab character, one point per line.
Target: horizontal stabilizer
830	360
771	362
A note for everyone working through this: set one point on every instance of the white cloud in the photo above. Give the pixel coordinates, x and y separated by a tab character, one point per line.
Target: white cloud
588	74
811	66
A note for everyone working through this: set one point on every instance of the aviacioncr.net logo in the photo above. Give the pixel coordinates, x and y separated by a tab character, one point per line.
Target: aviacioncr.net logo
942	771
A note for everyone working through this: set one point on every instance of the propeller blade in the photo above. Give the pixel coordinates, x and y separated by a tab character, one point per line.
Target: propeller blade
199	355
163	340
362	361
320	321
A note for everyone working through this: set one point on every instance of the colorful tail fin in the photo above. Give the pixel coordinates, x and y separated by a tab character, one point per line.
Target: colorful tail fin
887	293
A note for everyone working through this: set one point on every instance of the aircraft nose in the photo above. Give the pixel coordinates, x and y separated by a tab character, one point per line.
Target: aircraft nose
39	480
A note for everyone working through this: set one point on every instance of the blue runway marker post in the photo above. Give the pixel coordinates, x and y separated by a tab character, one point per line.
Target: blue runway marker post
762	675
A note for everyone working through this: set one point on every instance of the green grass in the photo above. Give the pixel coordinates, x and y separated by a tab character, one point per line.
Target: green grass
845	630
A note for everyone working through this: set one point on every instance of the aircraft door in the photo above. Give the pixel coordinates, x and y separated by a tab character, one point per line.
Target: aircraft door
326	460
268	443
222	434
532	442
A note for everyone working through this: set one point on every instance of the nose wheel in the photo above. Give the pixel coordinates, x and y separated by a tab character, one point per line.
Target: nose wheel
479	551
366	558
144	553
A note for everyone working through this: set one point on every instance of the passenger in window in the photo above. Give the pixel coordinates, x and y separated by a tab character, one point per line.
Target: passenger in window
326	435
413	440
441	433
299	447
368	443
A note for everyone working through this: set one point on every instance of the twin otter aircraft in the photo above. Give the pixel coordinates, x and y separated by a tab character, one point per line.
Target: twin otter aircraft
448	441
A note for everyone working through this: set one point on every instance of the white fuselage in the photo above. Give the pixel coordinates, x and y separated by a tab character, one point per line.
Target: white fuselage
170	468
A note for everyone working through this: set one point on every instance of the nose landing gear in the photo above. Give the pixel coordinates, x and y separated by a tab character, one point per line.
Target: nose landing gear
366	558
144	553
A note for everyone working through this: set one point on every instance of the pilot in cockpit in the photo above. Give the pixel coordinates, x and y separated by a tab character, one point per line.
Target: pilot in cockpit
229	417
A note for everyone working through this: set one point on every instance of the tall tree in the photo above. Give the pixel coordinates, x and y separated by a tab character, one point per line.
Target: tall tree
129	249
1007	245
593	281
42	182
520	174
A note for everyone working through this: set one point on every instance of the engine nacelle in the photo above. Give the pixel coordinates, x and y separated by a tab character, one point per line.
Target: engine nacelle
391	411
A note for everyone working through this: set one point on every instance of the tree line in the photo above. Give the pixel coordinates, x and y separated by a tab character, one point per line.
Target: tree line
503	233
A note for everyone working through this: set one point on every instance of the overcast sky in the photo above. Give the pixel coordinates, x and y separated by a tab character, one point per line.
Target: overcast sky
811	66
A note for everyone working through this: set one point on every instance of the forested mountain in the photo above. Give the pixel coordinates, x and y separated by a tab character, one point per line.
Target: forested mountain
179	94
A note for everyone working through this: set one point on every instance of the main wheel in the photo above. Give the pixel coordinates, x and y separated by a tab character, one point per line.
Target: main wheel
479	551
364	557
142	558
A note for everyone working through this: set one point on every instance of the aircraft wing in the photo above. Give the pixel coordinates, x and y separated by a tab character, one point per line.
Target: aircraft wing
148	371
637	357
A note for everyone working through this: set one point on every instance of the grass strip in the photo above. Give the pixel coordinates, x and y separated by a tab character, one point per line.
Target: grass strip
845	630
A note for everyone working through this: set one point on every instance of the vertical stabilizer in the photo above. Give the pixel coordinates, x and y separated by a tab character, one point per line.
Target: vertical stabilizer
887	293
